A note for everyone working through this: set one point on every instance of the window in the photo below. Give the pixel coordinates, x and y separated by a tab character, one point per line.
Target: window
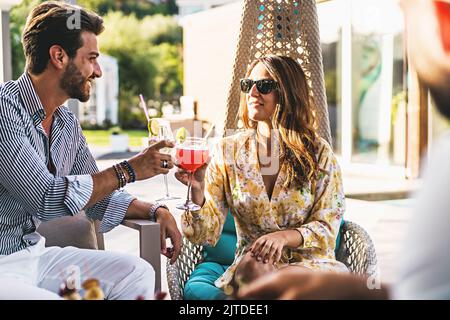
362	47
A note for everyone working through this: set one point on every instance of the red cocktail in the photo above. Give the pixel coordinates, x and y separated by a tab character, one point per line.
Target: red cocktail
191	155
190	159
443	14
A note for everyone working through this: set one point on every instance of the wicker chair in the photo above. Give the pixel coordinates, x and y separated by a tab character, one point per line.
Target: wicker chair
286	28
356	251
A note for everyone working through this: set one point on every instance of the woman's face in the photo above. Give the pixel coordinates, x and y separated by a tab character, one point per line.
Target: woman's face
260	106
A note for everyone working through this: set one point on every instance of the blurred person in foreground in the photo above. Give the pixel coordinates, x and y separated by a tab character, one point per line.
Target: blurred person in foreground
47	170
425	263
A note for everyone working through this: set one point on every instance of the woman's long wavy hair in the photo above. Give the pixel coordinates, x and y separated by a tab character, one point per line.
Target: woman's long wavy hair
293	117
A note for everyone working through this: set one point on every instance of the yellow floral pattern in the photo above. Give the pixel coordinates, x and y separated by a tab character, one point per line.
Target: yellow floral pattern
234	181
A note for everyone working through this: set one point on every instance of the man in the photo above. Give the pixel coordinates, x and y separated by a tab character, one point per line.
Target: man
47	170
425	263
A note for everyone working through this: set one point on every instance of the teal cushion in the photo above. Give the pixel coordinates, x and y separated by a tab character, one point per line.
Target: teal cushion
200	285
338	238
223	252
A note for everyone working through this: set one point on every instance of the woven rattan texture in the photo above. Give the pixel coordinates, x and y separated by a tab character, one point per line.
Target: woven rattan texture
356	251
285	27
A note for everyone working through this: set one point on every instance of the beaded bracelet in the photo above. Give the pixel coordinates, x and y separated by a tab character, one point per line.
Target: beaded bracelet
120	176
126	165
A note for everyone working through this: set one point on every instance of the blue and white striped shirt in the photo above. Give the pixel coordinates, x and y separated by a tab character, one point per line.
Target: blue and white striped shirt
29	192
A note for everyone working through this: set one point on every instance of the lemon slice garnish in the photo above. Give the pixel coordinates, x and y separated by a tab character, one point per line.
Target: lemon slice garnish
181	135
153	127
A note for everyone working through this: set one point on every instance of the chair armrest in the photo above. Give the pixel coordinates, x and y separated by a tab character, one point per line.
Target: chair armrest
149	244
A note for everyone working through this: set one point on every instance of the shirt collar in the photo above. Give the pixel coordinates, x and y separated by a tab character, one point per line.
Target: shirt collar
30	99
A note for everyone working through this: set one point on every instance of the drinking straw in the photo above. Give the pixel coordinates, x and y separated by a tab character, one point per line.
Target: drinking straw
209	131
144	106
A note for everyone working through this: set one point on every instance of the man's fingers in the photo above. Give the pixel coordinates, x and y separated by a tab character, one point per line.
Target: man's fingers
163	144
163	171
169	252
160	295
163	242
176	241
167	157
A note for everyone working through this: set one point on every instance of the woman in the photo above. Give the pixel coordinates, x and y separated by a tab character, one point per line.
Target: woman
280	180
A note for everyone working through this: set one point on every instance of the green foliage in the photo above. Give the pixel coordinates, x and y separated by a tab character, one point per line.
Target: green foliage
101	138
145	41
168	79
331	86
149	56
18	16
115	130
399	98
141	8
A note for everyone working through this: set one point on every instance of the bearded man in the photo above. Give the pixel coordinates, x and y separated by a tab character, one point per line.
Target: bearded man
47	170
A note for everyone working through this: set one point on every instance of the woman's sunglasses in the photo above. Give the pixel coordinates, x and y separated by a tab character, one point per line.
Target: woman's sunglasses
264	86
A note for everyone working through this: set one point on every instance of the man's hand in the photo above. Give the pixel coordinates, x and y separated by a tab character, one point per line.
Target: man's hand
149	162
170	230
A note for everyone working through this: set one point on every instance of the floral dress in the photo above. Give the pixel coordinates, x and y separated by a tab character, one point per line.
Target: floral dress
234	182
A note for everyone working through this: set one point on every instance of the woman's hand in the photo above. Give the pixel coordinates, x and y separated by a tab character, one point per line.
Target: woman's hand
269	247
198	182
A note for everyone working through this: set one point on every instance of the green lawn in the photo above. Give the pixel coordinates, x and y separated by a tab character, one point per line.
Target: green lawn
100	138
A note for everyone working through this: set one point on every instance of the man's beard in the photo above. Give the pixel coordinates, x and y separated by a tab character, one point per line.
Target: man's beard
74	84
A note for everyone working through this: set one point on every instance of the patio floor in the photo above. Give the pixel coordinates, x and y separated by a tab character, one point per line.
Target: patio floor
385	221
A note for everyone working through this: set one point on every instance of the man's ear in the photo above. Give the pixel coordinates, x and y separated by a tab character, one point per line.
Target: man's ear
58	57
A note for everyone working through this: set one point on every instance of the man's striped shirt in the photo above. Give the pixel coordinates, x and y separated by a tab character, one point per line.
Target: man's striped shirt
29	192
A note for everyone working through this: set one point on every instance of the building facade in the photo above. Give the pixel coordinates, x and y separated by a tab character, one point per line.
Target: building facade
186	7
380	117
103	106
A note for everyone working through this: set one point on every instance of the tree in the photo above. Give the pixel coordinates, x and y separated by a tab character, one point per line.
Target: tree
140	8
18	16
149	57
148	50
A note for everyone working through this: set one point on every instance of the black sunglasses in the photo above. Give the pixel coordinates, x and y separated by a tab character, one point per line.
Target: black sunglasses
264	86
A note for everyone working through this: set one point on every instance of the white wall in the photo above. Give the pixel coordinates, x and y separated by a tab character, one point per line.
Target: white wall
210	39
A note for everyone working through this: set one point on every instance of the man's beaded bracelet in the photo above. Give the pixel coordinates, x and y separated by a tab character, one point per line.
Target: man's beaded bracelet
120	175
126	165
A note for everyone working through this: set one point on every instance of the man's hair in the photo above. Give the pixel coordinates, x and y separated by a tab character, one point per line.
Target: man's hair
56	23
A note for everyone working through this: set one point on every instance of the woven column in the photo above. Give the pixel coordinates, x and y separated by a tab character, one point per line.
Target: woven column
283	27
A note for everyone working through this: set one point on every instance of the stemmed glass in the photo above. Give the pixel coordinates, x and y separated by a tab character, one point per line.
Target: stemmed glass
191	155
163	132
